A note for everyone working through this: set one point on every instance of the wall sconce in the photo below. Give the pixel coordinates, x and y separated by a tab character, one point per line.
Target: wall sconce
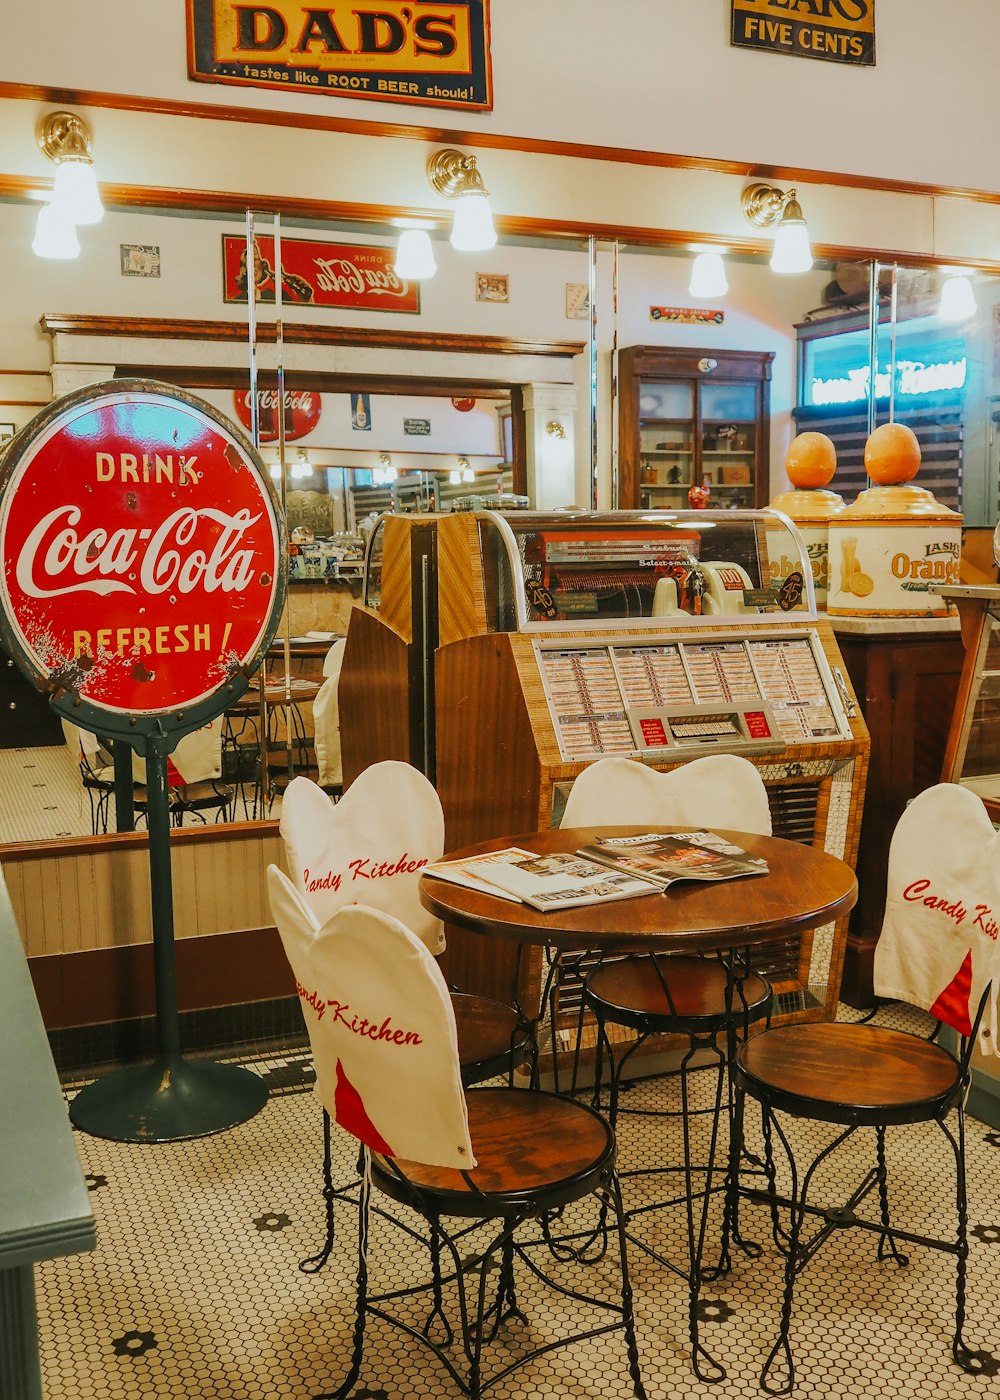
457	177
467	473
708	275
66	139
764	205
958	301
275	470
555	429
385	473
302	467
455	477
414	255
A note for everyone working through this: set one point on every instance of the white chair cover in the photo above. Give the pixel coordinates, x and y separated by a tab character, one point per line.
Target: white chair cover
721	790
368	848
381	1028
939	943
326	719
196	759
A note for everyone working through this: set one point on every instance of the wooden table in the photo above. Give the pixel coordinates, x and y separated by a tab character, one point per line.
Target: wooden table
804	888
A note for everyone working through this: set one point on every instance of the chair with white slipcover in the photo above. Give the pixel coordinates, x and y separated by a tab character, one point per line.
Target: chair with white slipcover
326	723
501	1157
938	954
370	848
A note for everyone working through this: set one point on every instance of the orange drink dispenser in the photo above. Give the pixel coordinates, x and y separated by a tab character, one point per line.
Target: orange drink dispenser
809	466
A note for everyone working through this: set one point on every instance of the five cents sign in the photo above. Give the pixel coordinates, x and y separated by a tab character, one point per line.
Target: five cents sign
141	552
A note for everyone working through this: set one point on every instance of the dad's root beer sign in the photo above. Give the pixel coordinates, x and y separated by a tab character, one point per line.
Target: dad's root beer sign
840	31
142	555
431	53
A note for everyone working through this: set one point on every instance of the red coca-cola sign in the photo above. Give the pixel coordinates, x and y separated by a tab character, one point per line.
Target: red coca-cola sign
141	550
301	412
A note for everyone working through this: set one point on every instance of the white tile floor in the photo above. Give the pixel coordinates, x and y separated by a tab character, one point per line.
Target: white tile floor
194	1290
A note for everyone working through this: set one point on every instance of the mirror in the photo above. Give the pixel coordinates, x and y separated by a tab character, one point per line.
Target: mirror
507	330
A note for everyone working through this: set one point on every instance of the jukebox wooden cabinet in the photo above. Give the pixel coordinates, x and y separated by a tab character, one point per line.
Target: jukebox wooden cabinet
660	637
691	418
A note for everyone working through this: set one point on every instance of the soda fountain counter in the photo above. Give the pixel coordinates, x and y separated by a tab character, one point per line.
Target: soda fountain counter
660	636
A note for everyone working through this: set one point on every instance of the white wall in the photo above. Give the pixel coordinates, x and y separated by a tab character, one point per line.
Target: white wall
645	74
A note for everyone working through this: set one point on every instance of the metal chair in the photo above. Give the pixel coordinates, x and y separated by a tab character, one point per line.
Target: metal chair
933	953
501	1162
708	1002
390	820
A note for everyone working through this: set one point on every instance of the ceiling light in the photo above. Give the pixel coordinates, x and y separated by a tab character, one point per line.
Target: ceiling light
414	255
55	235
456	176
65	138
958	302
764	205
708	276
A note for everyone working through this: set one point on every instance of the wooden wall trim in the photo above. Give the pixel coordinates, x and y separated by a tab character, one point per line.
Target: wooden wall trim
623	155
301	333
20	852
99	985
322	382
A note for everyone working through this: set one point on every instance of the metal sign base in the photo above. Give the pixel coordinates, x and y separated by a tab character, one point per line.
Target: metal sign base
168	1100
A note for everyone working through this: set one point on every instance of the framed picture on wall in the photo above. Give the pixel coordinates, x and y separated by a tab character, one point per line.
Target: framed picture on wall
492	286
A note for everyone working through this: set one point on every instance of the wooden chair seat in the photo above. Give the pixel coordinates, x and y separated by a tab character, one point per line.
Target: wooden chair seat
630	992
531	1147
490	1038
850	1074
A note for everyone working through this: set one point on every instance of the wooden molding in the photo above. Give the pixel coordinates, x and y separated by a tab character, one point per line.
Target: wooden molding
482	140
298	333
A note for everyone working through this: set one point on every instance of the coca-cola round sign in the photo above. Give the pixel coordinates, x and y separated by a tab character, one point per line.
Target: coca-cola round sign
302	410
142	554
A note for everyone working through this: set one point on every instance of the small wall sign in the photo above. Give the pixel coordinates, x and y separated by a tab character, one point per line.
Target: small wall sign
361	413
139	259
577	301
417	427
318	274
838	31
492	286
688	315
426	53
302	410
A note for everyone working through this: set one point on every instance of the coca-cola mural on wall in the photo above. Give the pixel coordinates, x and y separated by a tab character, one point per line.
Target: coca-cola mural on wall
302	411
352	275
141	551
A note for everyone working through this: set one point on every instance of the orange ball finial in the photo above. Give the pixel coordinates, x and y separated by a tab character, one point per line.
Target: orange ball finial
892	454
811	460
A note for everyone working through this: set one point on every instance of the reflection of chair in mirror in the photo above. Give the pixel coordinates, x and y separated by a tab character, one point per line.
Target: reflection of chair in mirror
702	1000
370	847
326	723
97	773
194	777
933	954
501	1157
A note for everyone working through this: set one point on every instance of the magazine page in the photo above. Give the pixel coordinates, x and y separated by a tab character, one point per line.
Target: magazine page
558	881
684	855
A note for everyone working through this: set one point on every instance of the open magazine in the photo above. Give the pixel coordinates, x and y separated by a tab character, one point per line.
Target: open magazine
558	881
686	855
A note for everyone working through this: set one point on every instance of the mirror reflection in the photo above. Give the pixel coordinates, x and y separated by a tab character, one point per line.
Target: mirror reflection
473	388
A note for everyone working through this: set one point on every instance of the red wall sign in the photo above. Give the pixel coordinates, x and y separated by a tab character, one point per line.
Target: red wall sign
319	274
302	412
141	549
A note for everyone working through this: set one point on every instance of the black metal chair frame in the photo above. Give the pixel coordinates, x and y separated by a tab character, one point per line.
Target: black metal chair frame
703	1031
852	1118
510	1211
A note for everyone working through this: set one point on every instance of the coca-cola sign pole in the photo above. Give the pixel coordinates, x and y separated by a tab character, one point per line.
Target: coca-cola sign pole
142	575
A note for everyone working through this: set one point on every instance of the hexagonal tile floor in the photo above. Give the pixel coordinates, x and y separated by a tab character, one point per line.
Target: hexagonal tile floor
195	1290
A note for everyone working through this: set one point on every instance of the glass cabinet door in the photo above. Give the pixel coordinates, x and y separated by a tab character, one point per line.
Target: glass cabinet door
666	444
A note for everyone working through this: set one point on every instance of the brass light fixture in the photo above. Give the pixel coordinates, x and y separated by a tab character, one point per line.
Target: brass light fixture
764	205
467	473
66	139
555	429
456	176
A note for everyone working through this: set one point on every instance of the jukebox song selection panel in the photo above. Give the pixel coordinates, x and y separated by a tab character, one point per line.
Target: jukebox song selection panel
592	689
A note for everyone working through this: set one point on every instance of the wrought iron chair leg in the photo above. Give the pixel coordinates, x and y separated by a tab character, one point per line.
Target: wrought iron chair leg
357	1353
887	1247
330	1195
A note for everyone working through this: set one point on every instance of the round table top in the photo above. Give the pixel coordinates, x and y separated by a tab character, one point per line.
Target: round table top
803	888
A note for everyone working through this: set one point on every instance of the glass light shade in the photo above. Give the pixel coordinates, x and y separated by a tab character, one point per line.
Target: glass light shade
414	255
275	470
791	251
472	228
468	474
75	192
55	235
957	300
708	276
455	477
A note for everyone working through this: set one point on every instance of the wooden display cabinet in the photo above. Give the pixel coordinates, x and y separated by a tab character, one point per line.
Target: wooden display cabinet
691	418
